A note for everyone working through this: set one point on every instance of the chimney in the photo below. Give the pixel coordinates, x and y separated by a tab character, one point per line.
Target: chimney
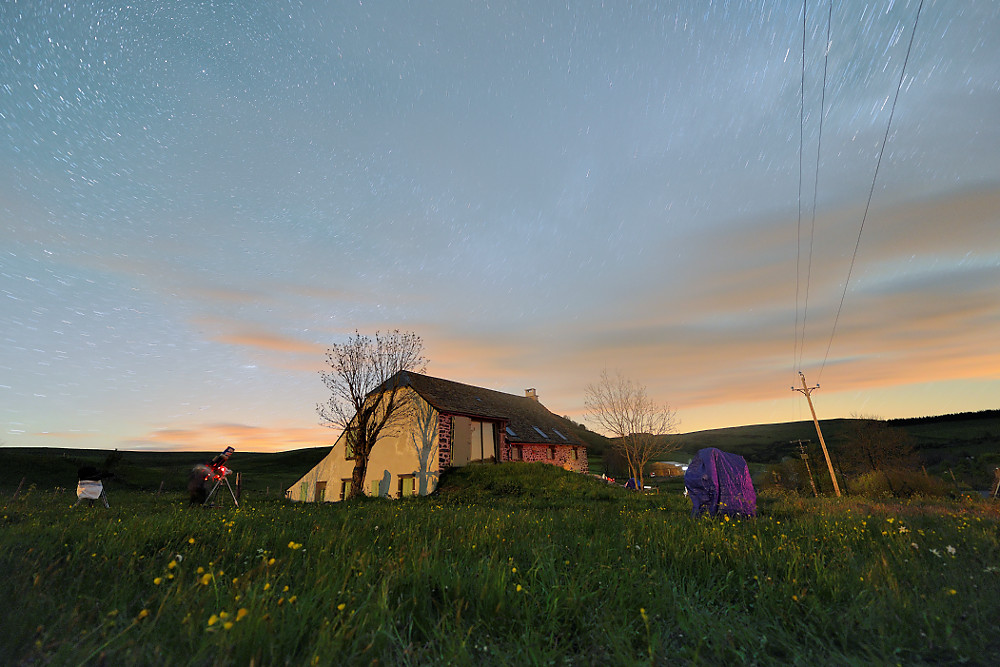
532	394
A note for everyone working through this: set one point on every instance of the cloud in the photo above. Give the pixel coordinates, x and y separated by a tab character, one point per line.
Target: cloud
247	438
270	342
228	295
64	435
920	308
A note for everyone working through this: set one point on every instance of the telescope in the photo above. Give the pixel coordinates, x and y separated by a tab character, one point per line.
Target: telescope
219	473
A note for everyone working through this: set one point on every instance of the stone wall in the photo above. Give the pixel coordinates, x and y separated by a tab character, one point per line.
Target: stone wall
444	442
560	455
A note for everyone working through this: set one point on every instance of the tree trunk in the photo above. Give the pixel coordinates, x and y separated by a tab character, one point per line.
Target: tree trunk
358	477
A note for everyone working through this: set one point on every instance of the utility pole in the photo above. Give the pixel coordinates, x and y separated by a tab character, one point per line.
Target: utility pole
805	459
807	392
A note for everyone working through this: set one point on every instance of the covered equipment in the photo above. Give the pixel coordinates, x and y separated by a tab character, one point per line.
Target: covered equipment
90	486
718	482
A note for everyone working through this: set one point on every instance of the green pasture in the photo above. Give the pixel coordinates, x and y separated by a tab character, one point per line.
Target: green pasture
49	468
506	565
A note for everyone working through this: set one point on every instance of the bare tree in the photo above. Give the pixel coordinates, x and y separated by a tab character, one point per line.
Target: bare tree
621	408
874	446
365	380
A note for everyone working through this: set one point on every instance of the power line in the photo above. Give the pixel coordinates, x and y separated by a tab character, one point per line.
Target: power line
871	191
798	226
819	151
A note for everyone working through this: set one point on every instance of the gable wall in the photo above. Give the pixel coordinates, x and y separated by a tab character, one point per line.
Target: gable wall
412	449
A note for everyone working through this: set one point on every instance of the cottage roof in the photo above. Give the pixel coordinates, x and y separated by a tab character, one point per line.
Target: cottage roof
528	421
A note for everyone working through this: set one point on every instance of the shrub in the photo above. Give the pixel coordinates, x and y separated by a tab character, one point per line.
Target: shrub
900	483
789	475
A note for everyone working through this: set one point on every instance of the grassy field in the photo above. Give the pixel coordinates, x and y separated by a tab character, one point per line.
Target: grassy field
48	468
514	564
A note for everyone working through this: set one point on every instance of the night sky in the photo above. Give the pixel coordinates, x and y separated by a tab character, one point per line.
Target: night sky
197	198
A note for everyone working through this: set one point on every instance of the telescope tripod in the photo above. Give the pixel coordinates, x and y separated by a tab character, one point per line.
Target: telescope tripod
216	488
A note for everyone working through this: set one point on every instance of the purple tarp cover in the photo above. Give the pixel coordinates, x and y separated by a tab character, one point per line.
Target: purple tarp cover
720	482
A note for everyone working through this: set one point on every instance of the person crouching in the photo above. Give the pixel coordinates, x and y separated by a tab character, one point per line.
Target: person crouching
198	484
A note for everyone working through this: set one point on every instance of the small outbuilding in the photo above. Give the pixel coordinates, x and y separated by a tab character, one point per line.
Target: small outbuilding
719	482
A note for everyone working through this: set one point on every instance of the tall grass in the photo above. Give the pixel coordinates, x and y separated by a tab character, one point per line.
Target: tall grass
520	564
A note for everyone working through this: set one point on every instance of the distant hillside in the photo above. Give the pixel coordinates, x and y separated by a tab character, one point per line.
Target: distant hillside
48	468
943	440
954	417
762	443
596	443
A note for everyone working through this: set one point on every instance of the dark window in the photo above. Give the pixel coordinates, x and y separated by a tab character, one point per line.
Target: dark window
320	491
345	487
552	451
